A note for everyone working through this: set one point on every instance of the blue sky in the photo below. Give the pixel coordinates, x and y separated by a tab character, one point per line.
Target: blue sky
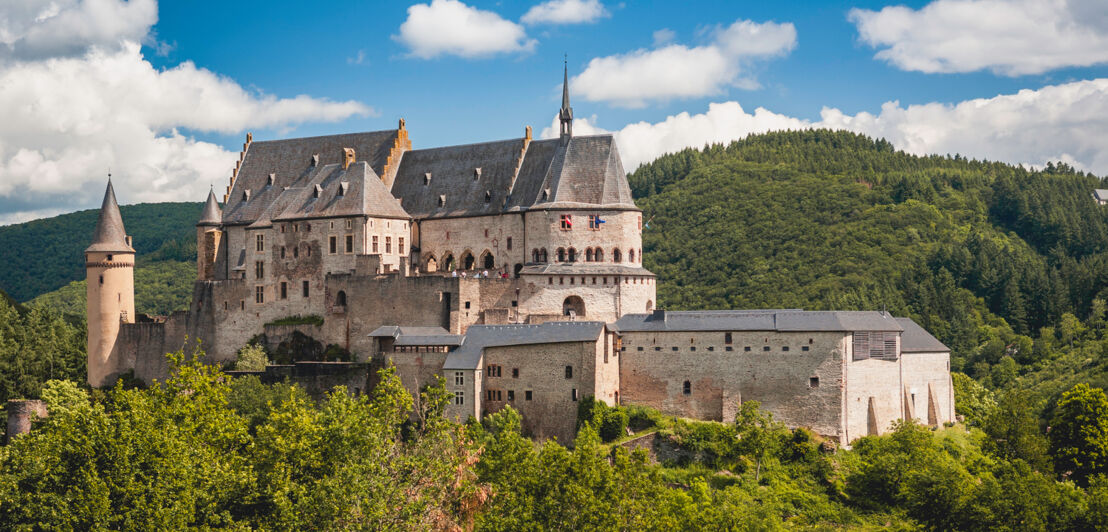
164	92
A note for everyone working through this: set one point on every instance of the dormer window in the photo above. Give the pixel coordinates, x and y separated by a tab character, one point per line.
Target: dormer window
315	160
269	181
427	179
488	197
442	200
246	195
476	174
545	194
342	188
317	191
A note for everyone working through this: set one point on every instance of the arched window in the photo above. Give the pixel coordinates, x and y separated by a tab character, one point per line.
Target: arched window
467	261
340	299
572	255
631	255
649	305
574	307
561	254
535	255
431	266
542	255
616	257
687	388
598	255
448	262
518	268
487	260
588	254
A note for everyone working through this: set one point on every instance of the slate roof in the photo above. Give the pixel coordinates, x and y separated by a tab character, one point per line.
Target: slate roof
109	234
916	339
479	337
290	162
356	190
1100	194
212	214
758	320
417	335
584	268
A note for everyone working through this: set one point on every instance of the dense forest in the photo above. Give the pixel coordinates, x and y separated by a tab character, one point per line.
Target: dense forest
47	254
1007	265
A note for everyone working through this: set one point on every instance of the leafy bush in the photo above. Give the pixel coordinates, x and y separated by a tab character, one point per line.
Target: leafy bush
252	357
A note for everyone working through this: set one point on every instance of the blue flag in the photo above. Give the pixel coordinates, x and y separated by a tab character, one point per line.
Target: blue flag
598	220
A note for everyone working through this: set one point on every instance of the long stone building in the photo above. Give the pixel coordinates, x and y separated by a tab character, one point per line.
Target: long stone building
513	269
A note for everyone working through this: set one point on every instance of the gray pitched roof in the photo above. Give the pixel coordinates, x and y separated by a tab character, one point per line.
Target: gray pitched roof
453	176
109	234
212	214
758	320
291	161
916	339
1100	194
356	190
478	337
417	335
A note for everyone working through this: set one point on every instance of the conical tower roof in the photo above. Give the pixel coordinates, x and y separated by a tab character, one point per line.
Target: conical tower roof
110	235
212	214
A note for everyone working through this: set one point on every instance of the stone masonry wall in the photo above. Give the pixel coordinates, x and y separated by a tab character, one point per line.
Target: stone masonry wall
929	373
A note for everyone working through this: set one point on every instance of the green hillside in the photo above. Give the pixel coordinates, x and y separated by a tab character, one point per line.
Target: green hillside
834	220
160	288
44	255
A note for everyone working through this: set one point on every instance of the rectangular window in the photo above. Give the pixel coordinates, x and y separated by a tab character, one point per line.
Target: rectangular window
515	373
388	245
803	348
509	242
259	294
400	246
349	243
459	378
459	398
874	344
573	395
334	244
511	395
282	228
282	252
349	224
493	370
785	348
259	243
527	395
375	243
304	288
259	269
727	338
592	222
813	382
569	372
567	222
284	290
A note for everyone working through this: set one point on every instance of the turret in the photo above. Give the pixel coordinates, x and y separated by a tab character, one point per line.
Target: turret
110	269
209	238
565	115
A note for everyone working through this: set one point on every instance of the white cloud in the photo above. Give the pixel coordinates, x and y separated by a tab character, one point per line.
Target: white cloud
453	28
1008	37
67	119
565	12
35	29
1060	122
664	36
679	71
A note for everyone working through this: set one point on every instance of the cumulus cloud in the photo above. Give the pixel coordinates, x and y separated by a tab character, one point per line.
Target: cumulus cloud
679	71
449	27
1007	37
565	12
1056	123
36	29
69	118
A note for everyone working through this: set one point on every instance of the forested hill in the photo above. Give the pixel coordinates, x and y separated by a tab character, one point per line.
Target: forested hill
44	255
833	220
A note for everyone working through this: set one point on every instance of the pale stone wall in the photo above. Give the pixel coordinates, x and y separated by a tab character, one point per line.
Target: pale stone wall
111	302
620	230
880	380
606	297
655	365
439	238
471	389
552	410
928	374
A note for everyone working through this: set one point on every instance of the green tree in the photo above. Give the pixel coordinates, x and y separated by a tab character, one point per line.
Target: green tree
251	357
1013	432
760	436
1079	433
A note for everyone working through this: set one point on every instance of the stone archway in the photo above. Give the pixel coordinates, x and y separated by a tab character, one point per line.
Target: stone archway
488	262
448	263
430	265
468	261
518	268
649	306
573	307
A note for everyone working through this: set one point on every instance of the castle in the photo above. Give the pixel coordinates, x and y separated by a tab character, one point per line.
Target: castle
513	270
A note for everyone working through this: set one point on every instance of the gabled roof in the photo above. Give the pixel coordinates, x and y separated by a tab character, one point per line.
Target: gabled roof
455	178
916	339
1100	194
354	191
417	335
758	320
109	234
291	161
479	337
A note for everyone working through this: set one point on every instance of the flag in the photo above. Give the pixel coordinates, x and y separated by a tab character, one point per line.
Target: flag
599	221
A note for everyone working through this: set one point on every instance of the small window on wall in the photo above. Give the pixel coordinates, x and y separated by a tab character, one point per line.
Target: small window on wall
284	290
566	222
687	388
349	243
569	372
459	398
375	243
527	395
508	243
259	243
727	338
259	294
804	348
259	269
573	395
349	224
511	395
459	378
304	288
388	244
400	245
334	244
282	252
515	373
813	382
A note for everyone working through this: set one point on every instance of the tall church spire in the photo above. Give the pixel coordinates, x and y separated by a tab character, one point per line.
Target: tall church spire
566	113
109	234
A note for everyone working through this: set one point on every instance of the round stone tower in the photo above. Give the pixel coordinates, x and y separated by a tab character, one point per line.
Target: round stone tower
110	269
208	239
